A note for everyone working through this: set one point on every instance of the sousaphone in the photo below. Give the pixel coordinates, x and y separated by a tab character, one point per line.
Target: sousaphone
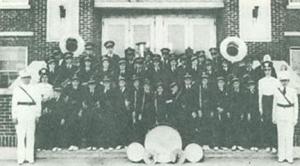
233	49
72	43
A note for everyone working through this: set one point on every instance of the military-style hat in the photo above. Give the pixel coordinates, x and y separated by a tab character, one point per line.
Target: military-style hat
51	60
109	44
193	58
183	57
208	62
141	43
251	82
204	76
213	49
75	77
122	61
267	64
284	75
173	57
43	71
104	58
87	58
159	83
56	51
220	78
24	74
235	79
106	79
156	57
121	78
89	46
139	60
189	50
68	55
135	77
165	50
91	81
57	88
187	76
173	84
129	51
146	81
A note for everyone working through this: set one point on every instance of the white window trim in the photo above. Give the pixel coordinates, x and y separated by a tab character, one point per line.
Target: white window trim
293	5
15	33
292	33
15	5
8	90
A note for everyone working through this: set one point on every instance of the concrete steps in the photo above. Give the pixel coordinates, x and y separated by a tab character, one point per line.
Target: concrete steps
10	154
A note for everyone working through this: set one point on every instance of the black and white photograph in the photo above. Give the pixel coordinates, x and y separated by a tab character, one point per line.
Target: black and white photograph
149	82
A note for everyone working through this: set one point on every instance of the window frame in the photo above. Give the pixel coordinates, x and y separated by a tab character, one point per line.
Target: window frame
15	5
8	90
293	5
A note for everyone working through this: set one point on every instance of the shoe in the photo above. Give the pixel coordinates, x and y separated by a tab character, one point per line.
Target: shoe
59	149
233	148
118	147
216	148
290	161
252	148
224	148
71	148
110	148
38	149
268	149
76	148
274	150
280	160
206	147
94	148
89	148
54	149
240	148
101	148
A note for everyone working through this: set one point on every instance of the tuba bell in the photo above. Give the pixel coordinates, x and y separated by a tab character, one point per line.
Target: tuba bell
72	43
233	49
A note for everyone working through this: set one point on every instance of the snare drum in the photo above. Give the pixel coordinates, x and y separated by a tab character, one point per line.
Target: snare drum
163	140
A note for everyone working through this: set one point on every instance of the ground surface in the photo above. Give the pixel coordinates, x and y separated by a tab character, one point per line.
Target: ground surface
118	158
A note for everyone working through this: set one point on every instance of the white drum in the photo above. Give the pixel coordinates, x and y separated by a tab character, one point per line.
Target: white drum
135	152
163	141
193	153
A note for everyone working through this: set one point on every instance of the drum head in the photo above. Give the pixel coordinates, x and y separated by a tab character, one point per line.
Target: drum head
193	153
135	152
163	140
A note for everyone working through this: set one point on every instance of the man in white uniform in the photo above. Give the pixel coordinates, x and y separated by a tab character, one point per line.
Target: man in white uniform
26	109
285	115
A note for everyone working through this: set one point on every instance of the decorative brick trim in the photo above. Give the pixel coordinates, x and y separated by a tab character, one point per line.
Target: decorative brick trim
160	5
15	33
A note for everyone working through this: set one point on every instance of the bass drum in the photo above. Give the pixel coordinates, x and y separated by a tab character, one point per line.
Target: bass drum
164	141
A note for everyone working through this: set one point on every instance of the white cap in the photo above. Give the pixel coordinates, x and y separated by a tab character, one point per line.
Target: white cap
266	58
24	73
284	75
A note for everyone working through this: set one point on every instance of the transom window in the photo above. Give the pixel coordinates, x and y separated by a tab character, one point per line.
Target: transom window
14	4
158	31
12	60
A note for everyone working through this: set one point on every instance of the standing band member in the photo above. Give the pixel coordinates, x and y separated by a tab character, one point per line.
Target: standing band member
285	115
266	88
26	109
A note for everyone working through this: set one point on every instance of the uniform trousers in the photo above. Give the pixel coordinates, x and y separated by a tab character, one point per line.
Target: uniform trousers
269	128
25	130
285	130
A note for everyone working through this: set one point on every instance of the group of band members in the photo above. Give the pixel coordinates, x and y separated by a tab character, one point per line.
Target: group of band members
107	101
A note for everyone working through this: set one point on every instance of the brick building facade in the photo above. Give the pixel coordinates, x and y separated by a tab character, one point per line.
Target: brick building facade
28	27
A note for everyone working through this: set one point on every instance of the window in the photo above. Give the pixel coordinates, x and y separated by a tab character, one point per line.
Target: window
12	60
255	20
294	4
177	33
62	19
295	59
14	4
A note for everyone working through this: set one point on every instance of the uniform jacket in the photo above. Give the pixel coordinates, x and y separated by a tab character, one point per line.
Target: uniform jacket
289	114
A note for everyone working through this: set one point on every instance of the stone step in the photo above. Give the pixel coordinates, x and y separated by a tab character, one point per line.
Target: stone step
10	154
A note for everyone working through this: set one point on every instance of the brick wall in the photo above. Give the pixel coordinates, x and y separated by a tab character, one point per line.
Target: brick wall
7	129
